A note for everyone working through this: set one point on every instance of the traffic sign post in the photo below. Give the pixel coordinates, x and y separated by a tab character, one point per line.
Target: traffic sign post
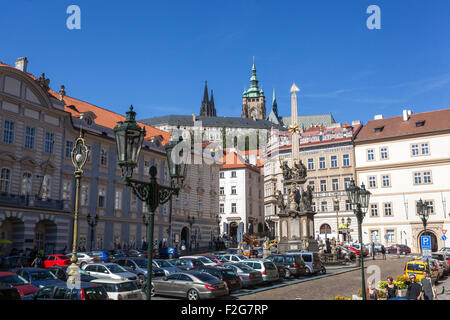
426	253
425	242
444	237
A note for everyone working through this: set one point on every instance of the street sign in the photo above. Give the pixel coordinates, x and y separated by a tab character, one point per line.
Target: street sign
426	253
425	242
444	237
444	231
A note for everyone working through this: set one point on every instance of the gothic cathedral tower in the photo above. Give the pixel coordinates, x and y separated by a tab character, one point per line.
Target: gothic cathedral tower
207	109
253	100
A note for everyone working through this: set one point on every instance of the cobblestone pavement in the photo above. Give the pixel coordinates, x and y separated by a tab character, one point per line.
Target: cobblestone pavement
344	284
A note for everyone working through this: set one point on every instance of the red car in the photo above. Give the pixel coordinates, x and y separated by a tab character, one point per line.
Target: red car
56	260
356	251
23	286
403	249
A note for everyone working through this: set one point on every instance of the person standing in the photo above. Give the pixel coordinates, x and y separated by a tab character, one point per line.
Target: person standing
414	291
391	289
373	250
36	262
383	251
428	287
371	292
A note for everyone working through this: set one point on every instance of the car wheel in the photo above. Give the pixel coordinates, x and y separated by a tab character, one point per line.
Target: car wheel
152	291
308	272
193	295
82	264
142	280
323	270
287	274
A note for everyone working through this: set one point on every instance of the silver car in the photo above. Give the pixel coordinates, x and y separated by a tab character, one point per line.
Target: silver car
166	266
109	271
191	285
249	276
266	267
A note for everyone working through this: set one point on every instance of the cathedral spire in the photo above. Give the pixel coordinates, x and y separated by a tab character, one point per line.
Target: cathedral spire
253	78
205	94
211	105
274	103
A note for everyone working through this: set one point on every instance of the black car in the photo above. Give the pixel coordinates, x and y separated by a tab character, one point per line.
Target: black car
87	291
230	277
61	273
293	264
134	253
187	263
115	254
9	293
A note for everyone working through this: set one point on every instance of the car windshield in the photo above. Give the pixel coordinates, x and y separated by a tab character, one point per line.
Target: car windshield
126	286
95	293
438	257
96	254
206	277
416	267
42	275
204	259
229	272
142	263
114	268
269	265
13	279
164	263
242	257
210	259
244	267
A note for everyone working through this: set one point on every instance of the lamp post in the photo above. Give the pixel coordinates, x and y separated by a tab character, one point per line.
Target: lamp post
191	220
129	139
145	221
336	208
423	210
92	222
359	200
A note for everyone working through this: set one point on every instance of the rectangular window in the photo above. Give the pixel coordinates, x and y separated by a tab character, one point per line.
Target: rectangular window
390	236
233	189
372	182
222	175
101	197
69	147
233	208
312	185
424	148
417	178
386	181
29	137
346	182
5	180
335	184
221	191
8	132
375	236
67	189
323	185
313	206
324	206
374	210
103	157
348	206
233	174
334	162
310	164
322	164
388	209
427	177
430	205
49	142
85	195
346	160
384	153
118	200
370	155
221	208
414	149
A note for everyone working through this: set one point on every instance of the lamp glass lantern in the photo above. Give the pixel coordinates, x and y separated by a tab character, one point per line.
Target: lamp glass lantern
364	196
129	139
176	158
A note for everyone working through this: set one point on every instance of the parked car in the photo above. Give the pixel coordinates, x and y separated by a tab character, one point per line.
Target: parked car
216	258
404	249
206	261
168	252
230	277
38	277
83	258
249	276
115	254
441	257
61	273
120	289
87	291
349	254
139	267
166	266
434	264
14	280
417	266
109	271
187	263
12	262
267	268
235	257
313	263
9	293
191	285
99	256
293	264
56	260
445	249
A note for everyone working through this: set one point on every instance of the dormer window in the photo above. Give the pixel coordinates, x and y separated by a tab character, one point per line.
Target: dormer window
88	117
379	129
420	124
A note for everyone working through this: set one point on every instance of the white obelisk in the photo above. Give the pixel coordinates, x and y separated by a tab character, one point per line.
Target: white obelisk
295	151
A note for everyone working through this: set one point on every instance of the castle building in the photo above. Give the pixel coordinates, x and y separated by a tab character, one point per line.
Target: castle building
207	109
253	100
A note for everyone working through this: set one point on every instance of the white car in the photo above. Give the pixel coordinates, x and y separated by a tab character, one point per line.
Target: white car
206	261
109	271
235	257
120	289
83	258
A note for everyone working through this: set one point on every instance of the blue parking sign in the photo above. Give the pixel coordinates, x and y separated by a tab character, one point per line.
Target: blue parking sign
444	237
425	241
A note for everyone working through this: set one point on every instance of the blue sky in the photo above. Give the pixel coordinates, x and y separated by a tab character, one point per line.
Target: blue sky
156	55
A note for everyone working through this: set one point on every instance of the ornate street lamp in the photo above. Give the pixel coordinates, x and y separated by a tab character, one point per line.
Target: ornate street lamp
347	225
92	222
359	200
79	157
129	139
336	208
145	221
423	210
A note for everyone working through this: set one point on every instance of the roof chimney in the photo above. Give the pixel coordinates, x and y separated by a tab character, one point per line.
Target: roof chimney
378	117
405	115
21	64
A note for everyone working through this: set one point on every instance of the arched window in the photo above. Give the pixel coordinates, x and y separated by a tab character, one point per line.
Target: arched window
325	229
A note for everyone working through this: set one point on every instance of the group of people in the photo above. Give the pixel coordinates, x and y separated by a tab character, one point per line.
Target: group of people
373	251
425	290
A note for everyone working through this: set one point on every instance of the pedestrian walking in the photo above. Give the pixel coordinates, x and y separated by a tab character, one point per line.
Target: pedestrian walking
371	291
414	291
391	289
36	262
383	252
373	250
428	287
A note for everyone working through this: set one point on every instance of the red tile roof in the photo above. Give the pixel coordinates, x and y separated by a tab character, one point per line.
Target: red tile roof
231	160
435	121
